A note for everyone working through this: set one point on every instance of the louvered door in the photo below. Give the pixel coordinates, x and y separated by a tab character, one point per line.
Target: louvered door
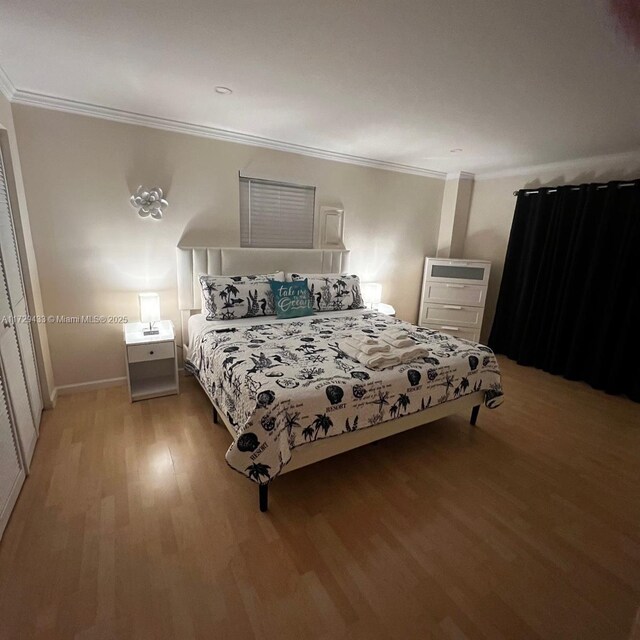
11	469
16	339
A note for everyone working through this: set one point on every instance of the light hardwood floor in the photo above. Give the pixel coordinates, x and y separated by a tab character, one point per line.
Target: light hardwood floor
131	525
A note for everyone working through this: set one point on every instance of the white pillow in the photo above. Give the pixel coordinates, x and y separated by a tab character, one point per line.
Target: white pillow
233	297
331	291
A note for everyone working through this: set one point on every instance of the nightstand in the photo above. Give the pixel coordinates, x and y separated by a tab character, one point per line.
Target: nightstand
152	363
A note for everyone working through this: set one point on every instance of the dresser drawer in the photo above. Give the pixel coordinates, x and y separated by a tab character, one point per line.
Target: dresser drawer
457	271
466	333
449	293
452	314
147	352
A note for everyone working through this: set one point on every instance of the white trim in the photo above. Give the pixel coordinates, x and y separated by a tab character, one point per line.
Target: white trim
7	88
31	98
92	385
28	453
326	214
460	175
592	162
11	501
66	389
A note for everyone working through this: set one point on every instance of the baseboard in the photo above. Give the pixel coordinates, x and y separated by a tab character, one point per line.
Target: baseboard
92	385
66	389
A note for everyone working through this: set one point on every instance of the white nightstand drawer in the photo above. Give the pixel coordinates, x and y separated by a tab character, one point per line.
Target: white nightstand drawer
466	333
460	271
452	314
152	351
448	293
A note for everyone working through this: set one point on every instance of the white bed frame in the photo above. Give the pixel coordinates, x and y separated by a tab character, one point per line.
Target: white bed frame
193	261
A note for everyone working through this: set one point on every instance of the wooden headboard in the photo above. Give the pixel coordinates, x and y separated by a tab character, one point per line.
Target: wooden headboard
194	261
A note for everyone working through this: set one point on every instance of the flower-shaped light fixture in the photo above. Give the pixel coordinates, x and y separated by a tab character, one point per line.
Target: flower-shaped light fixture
149	202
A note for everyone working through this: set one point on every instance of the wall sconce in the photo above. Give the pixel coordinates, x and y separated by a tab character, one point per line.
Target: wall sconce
371	294
149	202
149	312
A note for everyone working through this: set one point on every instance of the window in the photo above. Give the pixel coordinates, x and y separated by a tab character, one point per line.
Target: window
275	214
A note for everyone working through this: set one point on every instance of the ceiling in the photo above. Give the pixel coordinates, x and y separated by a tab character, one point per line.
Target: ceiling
510	82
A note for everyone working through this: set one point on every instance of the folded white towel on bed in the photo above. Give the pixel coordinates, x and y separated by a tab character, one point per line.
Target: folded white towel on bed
374	361
397	339
377	346
409	354
364	338
395	334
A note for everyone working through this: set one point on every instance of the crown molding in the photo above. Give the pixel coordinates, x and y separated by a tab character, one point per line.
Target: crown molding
589	163
460	175
7	88
31	98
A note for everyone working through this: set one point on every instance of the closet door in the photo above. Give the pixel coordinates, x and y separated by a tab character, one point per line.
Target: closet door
11	470
8	245
28	355
17	300
17	389
13	354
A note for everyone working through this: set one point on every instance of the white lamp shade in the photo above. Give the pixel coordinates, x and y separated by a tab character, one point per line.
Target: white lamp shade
371	292
149	307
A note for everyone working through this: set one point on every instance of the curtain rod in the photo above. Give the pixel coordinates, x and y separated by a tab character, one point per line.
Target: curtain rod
602	186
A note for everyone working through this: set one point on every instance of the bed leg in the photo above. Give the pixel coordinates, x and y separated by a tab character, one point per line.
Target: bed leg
214	415
264	497
474	414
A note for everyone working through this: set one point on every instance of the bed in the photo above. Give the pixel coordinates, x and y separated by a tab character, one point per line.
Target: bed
286	392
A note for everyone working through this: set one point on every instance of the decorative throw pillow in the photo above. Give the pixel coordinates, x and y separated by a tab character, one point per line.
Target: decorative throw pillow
232	297
331	292
292	299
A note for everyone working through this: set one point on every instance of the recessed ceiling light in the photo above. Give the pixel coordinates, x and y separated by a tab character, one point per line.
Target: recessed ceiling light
225	91
456	150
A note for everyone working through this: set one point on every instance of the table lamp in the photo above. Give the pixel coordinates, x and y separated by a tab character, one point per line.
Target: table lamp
149	312
372	294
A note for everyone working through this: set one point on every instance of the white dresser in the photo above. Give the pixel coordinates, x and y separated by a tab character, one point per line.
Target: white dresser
453	296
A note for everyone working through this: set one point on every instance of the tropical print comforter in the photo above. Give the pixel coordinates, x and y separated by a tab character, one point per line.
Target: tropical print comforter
285	385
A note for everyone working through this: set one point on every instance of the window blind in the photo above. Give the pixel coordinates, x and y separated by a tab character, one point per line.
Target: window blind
276	214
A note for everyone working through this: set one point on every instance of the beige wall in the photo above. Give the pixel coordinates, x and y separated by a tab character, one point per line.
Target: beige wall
454	215
29	262
94	253
493	203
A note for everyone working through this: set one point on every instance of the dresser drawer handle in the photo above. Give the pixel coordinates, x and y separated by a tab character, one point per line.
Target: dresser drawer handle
150	353
451	328
452	306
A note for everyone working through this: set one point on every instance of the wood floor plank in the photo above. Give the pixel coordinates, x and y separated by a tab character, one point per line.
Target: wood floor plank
131	525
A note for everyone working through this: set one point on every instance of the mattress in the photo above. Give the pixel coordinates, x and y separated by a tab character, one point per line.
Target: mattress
284	384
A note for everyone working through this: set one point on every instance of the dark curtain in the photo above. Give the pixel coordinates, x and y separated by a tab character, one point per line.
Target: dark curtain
569	300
